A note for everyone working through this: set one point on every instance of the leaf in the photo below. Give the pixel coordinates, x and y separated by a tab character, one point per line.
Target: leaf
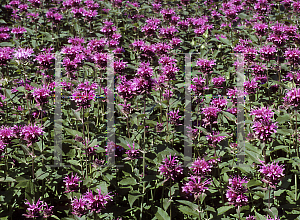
188	211
254	182
132	198
73	132
7	179
128	181
188	203
224	209
161	214
225	41
6	44
259	216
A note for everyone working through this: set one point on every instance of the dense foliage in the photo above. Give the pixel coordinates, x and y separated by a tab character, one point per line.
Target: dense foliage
147	44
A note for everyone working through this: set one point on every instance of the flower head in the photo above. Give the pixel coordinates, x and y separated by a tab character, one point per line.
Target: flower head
201	167
236	191
96	203
272	173
72	183
170	167
132	153
38	210
195	186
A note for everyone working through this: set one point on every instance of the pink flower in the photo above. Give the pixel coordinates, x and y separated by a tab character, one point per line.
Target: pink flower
170	167
31	133
272	173
38	210
236	191
201	167
72	183
195	187
132	153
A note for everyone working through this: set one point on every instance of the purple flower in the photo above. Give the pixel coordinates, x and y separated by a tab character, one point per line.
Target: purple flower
2	147
72	183
96	203
145	70
84	93
174	117
18	31
293	97
264	129
210	114
272	173
260	28
205	65
215	138
31	133
195	186
23	53
79	206
45	59
6	134
198	86
220	103
262	113
236	191
293	55
250	86
170	167
132	153
41	95
218	81
200	167
38	210
250	217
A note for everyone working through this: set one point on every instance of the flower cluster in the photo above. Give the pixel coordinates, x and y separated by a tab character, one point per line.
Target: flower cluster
170	167
84	94
71	183
195	186
205	65
236	191
90	202
263	126
293	97
132	153
31	133
272	173
201	167
39	209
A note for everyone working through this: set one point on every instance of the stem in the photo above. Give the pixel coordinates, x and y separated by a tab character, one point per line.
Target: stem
143	176
199	207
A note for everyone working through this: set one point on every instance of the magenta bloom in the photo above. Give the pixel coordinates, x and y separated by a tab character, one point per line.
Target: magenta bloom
170	167
198	86
18	31
236	191
218	81
250	86
260	28
96	203
23	53
84	93
262	113
211	114
45	59
215	138
41	95
5	55
293	97
79	206
174	117
112	147
6	134
201	167
72	183
31	133
264	129
38	210
195	187
268	52
272	173
205	65
132	153
220	103
293	55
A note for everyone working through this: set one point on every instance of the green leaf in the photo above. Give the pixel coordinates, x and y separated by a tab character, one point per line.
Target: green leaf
225	41
6	44
188	203
224	209
128	181
259	216
254	182
161	214
188	211
7	179
132	197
